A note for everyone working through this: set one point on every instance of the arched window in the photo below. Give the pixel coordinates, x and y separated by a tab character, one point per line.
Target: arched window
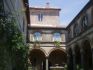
76	29
84	22
1	6
69	34
37	36
24	25
92	15
56	37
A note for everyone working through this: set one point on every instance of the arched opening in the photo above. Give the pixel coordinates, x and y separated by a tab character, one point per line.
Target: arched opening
37	59
84	22
57	58
87	55
70	59
37	36
57	36
77	57
76	29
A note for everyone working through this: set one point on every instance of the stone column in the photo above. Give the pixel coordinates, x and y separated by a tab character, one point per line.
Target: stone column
92	58
46	63
82	58
68	61
92	46
74	61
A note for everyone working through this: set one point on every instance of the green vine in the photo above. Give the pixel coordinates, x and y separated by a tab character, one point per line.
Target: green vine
57	43
12	39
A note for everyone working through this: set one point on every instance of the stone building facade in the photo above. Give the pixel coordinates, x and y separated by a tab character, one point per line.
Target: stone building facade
46	39
76	40
18	10
80	40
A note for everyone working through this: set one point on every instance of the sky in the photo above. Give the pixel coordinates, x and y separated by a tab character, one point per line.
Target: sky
69	8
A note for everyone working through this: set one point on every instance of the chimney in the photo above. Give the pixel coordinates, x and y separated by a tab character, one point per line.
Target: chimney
47	5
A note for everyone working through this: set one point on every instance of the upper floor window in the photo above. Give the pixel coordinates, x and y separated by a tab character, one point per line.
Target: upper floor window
37	36
56	37
69	34
2	8
24	25
40	17
84	22
1	5
92	15
76	29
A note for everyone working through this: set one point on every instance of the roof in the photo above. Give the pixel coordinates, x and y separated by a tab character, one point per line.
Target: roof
45	8
46	26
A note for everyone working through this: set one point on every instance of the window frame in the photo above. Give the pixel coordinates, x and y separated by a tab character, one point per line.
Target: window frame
76	29
38	37
59	37
84	22
40	17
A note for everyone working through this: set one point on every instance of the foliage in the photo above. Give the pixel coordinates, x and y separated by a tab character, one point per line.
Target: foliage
65	67
12	39
57	43
79	67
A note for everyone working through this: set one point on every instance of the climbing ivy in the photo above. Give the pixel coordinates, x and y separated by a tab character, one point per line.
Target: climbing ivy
11	39
57	43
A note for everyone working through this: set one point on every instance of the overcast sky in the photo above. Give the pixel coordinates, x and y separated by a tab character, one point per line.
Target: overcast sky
69	8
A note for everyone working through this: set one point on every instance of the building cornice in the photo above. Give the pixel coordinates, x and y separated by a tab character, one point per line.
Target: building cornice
30	27
37	8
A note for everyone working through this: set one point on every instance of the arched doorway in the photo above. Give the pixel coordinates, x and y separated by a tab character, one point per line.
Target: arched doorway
70	59
77	57
57	57
87	55
37	58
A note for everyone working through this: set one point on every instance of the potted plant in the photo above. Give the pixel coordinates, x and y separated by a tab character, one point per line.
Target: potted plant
57	43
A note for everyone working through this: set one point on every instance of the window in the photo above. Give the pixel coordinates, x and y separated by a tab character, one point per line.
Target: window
37	36
84	22
23	25
92	16
69	34
76	29
56	37
40	17
1	7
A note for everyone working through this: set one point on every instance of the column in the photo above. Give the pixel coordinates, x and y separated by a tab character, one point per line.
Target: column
82	58
46	63
68	62
74	61
91	43
92	58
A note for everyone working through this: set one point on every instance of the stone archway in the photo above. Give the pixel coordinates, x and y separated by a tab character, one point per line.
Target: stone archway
37	59
70	59
87	55
57	57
